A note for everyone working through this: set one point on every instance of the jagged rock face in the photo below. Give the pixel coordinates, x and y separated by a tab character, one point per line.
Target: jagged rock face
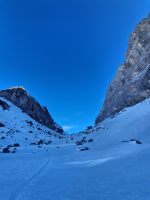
132	82
20	97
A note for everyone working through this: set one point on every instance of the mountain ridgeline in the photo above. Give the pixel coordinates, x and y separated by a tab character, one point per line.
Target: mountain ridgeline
132	82
21	98
130	86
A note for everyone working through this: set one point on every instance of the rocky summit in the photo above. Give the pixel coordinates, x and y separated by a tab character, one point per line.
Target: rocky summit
22	99
132	82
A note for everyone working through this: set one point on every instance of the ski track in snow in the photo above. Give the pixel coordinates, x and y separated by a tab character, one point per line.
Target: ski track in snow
17	194
114	167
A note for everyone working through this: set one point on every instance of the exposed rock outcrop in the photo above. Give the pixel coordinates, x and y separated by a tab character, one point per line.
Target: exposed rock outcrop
21	98
4	105
132	82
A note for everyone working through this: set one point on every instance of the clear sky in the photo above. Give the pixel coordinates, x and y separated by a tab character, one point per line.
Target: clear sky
65	52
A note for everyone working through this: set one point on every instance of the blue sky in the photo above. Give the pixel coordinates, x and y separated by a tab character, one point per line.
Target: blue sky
65	53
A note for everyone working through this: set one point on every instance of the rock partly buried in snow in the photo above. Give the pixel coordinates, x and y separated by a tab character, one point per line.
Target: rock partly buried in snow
6	150
21	98
132	82
132	140
1	125
4	105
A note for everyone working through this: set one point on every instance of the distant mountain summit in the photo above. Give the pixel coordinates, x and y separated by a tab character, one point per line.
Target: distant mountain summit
22	99
132	82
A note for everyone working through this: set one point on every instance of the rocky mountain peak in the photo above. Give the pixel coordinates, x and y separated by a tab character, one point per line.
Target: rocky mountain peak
22	99
131	84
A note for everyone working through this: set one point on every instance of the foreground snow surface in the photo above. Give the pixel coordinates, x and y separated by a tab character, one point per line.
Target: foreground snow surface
109	170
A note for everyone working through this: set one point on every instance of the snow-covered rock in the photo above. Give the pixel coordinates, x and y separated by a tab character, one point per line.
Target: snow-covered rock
18	127
22	99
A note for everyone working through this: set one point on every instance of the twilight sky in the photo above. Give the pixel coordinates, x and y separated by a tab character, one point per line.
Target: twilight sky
65	52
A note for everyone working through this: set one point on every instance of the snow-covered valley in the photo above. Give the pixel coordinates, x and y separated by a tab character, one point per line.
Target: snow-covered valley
111	161
64	53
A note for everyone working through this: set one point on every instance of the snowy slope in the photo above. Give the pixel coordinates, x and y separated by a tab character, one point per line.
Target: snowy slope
22	129
111	169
